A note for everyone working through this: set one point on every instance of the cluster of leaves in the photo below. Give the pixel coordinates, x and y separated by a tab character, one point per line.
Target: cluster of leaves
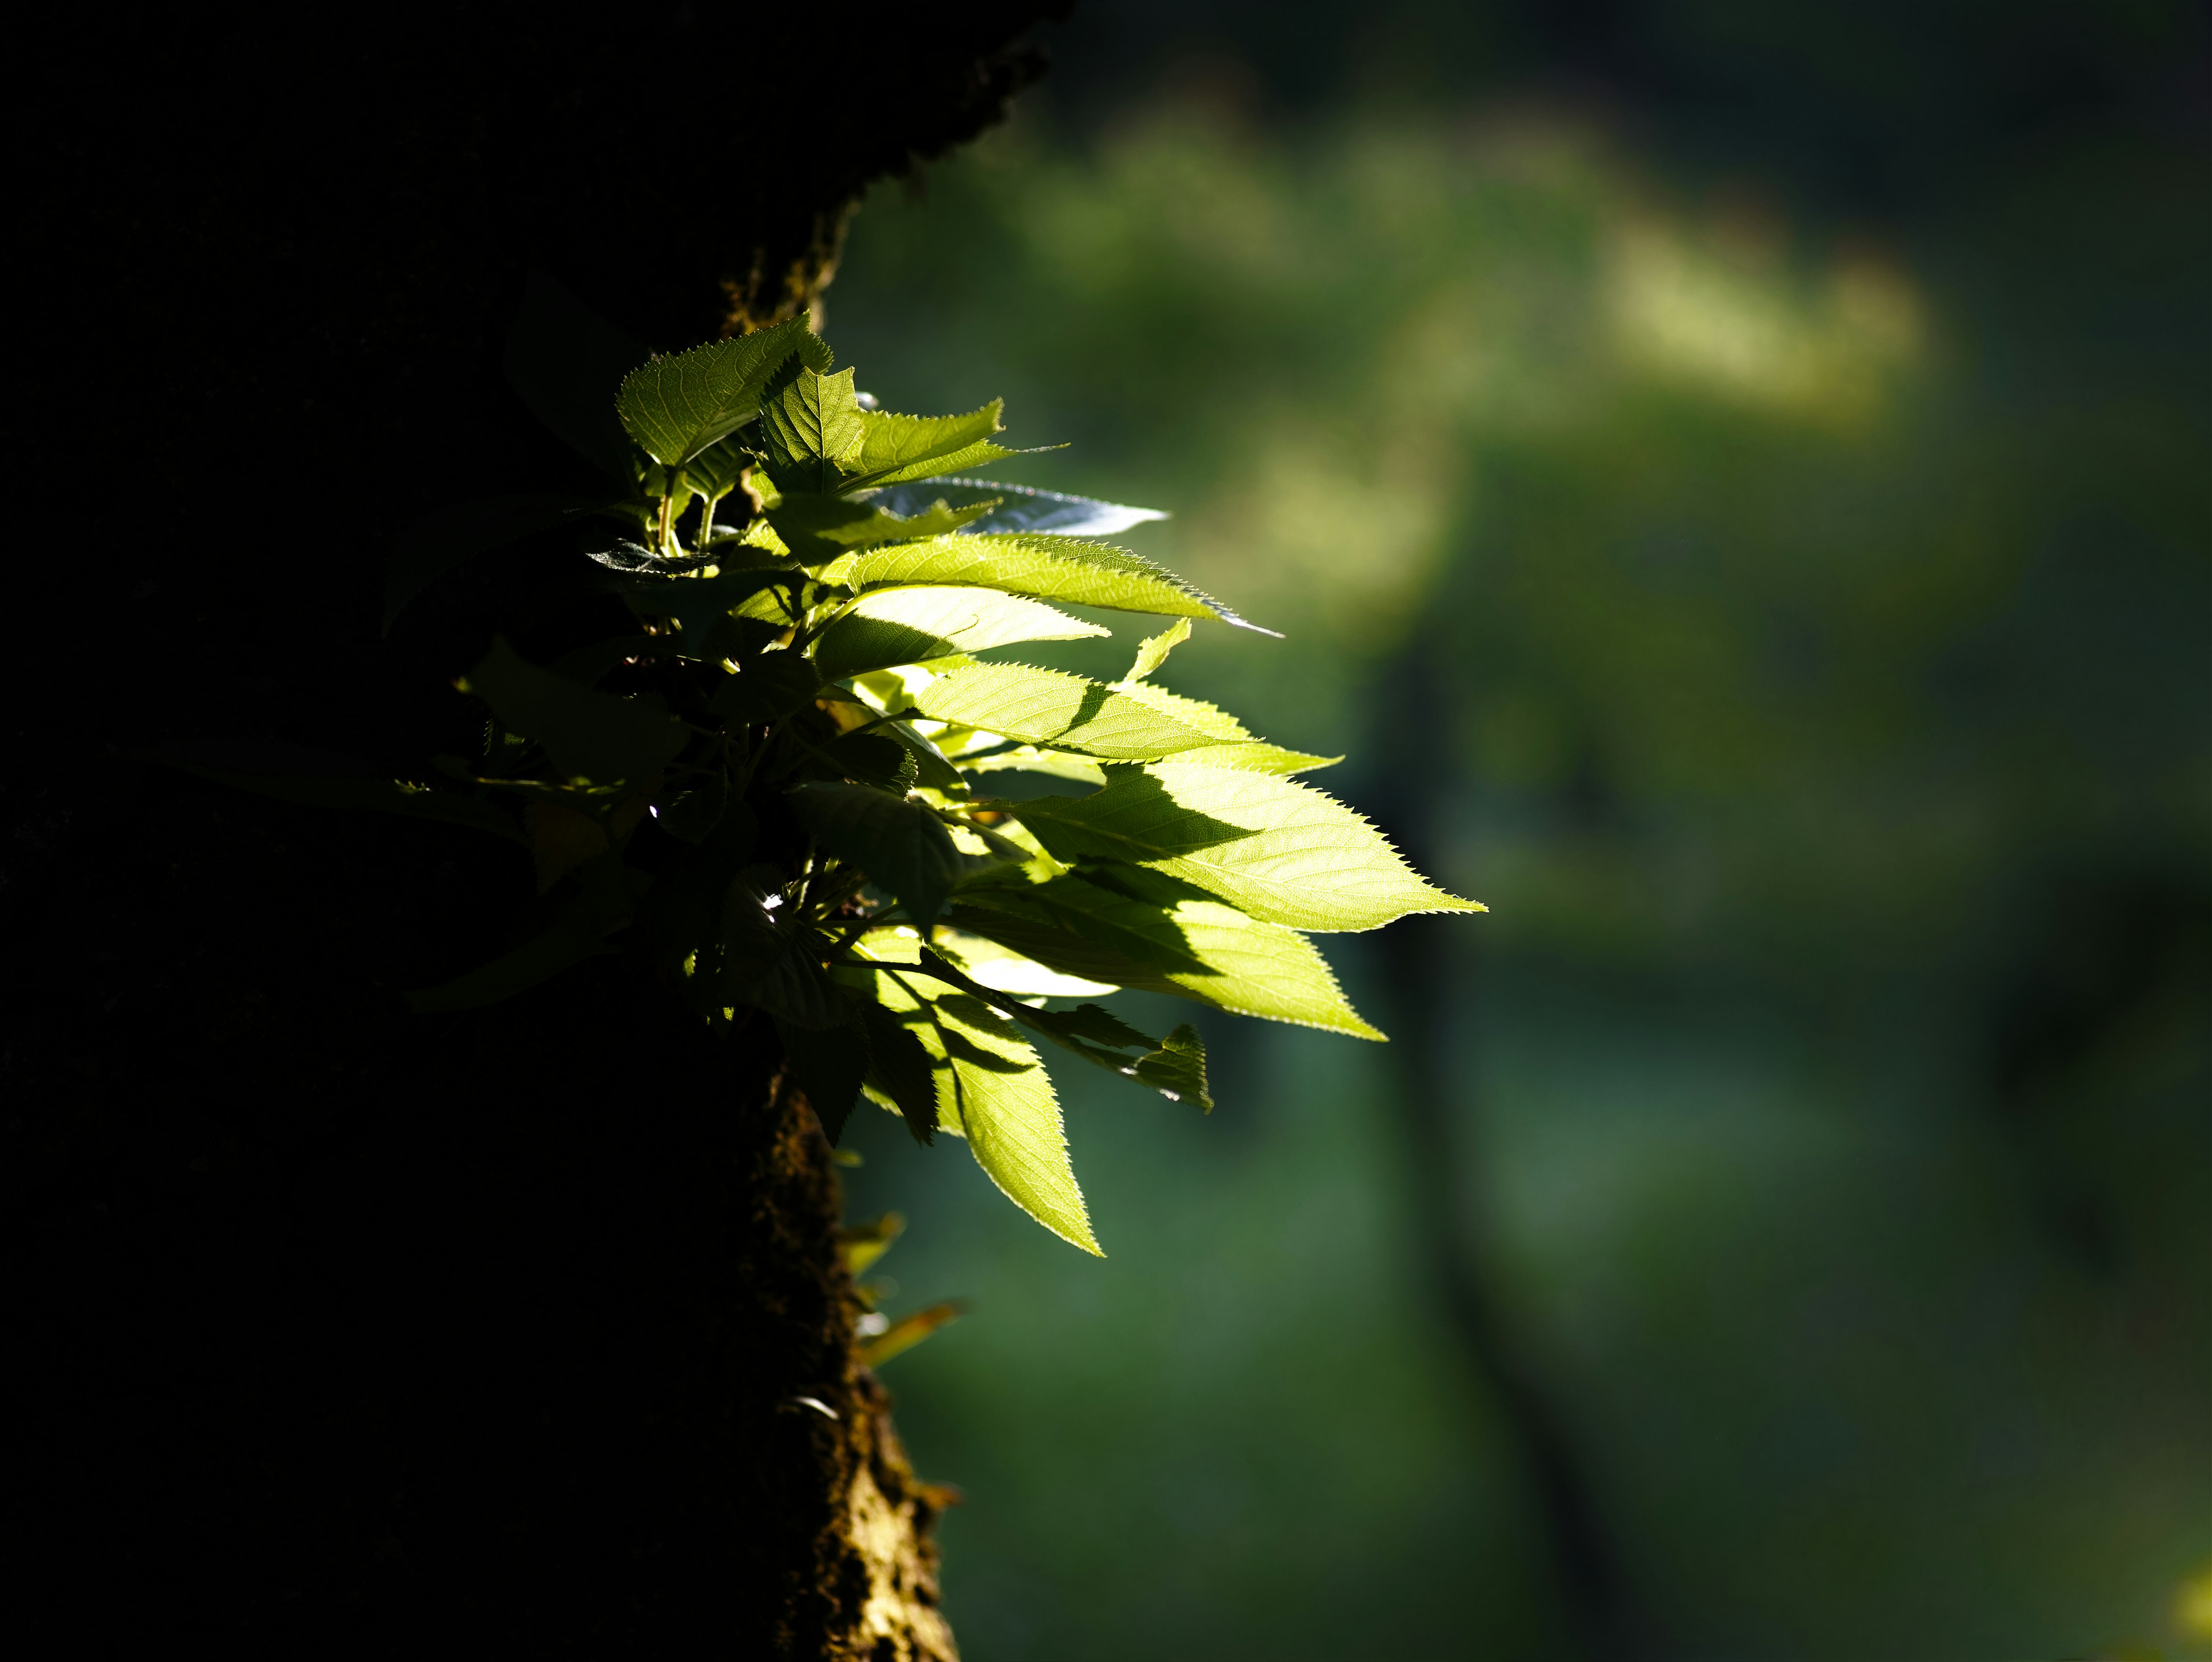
775	791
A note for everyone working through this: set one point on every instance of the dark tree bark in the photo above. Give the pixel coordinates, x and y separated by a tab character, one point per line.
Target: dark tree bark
337	1330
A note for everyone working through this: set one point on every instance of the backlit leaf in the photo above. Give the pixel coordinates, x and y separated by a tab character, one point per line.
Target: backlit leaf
1249	753
909	625
1154	651
993	1088
1060	569
1045	707
1280	851
809	424
678	405
895	447
1174	942
1177	1069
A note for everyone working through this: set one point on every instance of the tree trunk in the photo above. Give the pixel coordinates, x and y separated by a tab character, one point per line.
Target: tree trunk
346	1330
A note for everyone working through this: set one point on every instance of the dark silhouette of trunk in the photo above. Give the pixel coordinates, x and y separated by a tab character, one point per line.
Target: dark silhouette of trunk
1424	963
335	1330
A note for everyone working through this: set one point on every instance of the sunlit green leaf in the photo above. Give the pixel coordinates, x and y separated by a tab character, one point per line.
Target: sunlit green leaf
1247	754
676	406
1175	1068
1280	851
1168	942
1045	707
1061	569
993	1088
817	527
899	447
1154	651
909	625
811	425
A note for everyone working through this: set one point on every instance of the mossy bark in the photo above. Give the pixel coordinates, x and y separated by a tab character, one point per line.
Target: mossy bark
340	1329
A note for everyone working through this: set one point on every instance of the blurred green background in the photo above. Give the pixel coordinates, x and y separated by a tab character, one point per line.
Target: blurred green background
1735	482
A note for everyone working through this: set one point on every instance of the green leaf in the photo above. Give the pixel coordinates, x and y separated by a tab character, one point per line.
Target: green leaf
897	447
1177	1069
818	528
768	686
434	545
677	406
891	626
586	665
902	845
810	423
318	779
829	1064
1280	851
576	935
588	735
1044	567
1244	750
609	891
901	1071
565	361
1065	712
765	957
930	767
993	1088
875	759
908	1331
713	615
715	471
1028	758
681	914
1170	941
691	816
1154	651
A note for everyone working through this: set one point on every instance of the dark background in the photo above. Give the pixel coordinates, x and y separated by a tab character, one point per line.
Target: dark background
1733	479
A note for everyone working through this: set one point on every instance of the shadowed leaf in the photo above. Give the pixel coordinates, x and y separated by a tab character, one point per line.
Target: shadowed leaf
565	361
589	735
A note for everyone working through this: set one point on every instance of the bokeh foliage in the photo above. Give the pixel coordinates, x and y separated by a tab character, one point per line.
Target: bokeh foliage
1807	624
